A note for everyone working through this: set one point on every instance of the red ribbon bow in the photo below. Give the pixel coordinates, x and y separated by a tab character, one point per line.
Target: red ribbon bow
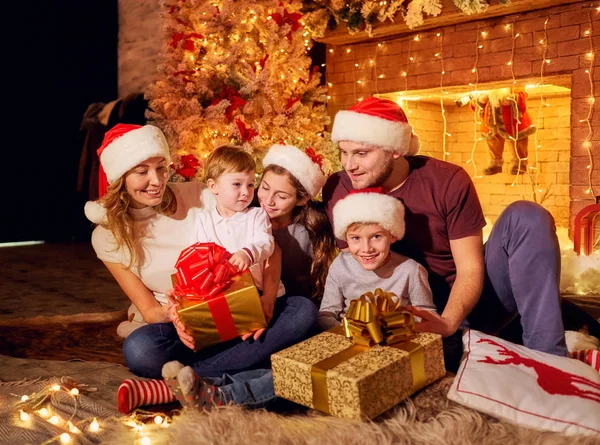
317	159
203	271
367	190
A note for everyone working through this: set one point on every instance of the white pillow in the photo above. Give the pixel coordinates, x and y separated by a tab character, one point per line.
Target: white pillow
530	388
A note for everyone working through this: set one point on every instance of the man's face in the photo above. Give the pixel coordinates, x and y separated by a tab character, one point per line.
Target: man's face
367	165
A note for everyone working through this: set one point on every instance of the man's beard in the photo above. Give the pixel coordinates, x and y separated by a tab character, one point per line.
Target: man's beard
383	175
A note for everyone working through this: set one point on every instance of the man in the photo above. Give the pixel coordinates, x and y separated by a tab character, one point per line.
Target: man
517	272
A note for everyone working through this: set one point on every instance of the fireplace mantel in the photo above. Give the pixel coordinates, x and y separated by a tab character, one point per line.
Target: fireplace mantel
450	15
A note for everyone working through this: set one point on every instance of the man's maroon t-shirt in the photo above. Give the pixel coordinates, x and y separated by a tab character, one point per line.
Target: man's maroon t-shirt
441	204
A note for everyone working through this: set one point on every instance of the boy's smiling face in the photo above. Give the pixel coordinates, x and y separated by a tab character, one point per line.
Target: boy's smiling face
369	244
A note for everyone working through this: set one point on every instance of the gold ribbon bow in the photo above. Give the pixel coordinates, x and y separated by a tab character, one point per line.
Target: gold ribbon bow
374	318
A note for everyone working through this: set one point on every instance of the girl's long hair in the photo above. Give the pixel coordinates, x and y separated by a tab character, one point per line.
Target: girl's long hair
320	233
122	225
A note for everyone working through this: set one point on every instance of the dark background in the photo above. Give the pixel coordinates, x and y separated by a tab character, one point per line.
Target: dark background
59	57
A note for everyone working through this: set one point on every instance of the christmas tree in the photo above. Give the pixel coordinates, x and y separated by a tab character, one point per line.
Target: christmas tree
237	73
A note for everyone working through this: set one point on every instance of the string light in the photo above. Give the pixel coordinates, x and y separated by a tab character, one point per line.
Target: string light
65	438
591	102
94	426
535	170
475	71
515	107
442	73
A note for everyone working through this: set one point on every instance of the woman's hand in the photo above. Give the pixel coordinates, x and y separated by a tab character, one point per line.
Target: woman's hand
172	307
268	305
240	260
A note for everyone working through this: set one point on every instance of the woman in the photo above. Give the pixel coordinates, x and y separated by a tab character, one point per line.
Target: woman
144	224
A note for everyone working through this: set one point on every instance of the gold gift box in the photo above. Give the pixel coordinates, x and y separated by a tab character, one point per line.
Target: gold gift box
244	304
329	373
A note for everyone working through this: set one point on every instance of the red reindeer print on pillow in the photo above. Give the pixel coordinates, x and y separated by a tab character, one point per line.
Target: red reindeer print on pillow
552	380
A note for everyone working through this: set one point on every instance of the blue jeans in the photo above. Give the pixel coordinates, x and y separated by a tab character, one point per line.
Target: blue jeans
253	389
522	277
149	347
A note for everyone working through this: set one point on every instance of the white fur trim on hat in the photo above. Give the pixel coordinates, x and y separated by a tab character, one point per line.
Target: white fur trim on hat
364	128
95	212
368	207
132	148
299	164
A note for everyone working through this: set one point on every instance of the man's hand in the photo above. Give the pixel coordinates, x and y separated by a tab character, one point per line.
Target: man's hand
240	260
432	322
172	306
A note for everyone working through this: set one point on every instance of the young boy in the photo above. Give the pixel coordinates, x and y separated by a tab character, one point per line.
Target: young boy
244	232
370	222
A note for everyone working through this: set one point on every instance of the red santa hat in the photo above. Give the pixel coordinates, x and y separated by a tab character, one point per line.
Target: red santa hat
124	146
369	206
375	121
305	166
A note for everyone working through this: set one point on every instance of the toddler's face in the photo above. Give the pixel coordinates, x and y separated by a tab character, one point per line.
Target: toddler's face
369	244
234	191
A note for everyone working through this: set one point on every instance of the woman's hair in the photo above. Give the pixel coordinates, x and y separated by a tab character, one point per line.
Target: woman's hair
227	159
121	223
319	232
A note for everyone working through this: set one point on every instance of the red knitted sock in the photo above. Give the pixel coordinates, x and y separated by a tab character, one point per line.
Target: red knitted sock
133	393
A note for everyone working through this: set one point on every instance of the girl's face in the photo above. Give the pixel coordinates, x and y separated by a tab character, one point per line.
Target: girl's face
146	182
278	196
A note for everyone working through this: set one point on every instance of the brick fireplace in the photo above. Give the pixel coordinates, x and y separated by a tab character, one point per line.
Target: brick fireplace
547	52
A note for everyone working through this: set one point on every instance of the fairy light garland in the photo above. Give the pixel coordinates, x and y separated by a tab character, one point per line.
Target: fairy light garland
535	170
514	105
587	143
442	73
30	407
475	71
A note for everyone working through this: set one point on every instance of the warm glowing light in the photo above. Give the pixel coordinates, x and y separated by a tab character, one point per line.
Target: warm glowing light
480	46
473	70
509	62
158	420
74	392
329	84
437	54
379	45
55	388
403	73
44	412
331	50
356	65
145	440
23	416
483	33
348	50
381	76
417	38
65	438
54	420
371	62
547	60
359	82
94	426
586	32
24	398
438	34
411	58
73	428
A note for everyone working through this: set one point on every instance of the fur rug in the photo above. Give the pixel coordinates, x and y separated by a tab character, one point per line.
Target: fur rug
428	418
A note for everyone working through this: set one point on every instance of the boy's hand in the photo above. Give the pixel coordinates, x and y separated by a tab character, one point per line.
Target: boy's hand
172	306
432	322
240	260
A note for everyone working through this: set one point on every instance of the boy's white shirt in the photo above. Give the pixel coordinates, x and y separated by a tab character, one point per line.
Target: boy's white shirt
249	229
